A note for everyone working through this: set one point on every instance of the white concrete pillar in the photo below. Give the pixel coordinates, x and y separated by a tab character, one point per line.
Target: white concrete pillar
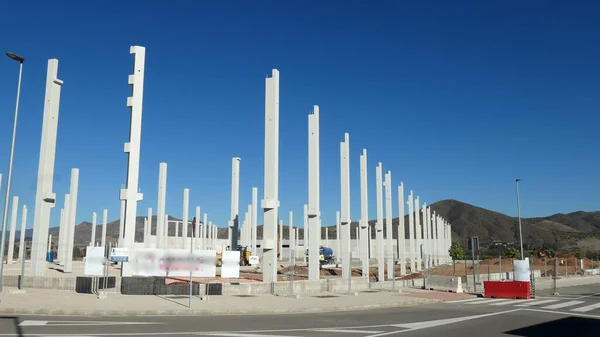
162	200
327	236
235	202
93	238
430	243
104	221
270	202
45	199
448	243
364	214
297	238
434	240
130	194
280	236
148	228
411	232
63	246
345	206
198	243
166	231
389	229
186	210
379	225
22	236
401	230
419	231
206	231
357	234
49	249
292	238
314	195
214	235
337	253
425	237
13	230
122	223
254	219
249	229
72	219
61	235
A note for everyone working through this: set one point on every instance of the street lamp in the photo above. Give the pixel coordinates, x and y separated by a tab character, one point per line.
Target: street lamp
519	215
19	59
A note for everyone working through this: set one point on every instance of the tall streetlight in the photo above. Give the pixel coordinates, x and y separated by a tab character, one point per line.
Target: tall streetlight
19	59
519	215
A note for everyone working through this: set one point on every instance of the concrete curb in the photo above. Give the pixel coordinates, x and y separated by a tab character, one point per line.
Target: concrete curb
223	312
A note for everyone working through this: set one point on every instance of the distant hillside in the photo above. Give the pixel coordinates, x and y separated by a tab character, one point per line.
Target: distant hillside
563	232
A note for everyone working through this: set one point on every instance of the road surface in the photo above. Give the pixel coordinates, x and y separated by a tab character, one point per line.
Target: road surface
576	313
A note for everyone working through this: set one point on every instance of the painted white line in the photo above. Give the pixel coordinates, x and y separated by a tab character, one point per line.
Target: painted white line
234	334
536	302
587	308
564	313
490	301
467	300
344	331
586	296
512	302
429	324
563	305
79	323
33	323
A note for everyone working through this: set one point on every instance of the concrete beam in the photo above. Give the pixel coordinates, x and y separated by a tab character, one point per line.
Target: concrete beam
314	195
45	198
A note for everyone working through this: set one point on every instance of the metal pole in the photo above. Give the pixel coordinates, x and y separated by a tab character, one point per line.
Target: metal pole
292	270
555	277
500	263
473	257
8	180
191	261
519	215
545	267
23	264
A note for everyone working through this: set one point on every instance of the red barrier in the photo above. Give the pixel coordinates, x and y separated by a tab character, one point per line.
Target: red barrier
509	289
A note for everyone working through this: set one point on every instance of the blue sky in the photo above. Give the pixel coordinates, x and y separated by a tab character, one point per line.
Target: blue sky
456	99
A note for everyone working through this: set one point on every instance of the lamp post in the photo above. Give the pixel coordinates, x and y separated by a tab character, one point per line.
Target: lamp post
19	59
519	215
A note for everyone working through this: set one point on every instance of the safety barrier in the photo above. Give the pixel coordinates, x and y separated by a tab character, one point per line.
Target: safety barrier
444	283
509	289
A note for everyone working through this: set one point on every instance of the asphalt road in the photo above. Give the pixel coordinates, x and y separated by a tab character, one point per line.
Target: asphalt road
577	313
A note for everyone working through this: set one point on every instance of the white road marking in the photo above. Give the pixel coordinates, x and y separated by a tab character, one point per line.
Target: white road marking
490	301
241	334
511	302
587	308
78	323
33	323
586	296
536	303
466	300
564	313
429	324
563	304
345	331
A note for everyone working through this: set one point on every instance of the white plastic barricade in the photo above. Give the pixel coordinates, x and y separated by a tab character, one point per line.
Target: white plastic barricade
94	261
173	262
230	267
522	272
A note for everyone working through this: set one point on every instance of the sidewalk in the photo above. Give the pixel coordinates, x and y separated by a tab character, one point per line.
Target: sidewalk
49	302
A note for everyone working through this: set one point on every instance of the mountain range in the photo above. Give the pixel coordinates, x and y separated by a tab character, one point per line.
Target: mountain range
577	231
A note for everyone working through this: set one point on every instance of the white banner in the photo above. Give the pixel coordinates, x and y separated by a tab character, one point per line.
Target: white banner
173	262
230	267
94	261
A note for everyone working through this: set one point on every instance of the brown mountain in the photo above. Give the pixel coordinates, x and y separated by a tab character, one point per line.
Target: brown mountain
562	232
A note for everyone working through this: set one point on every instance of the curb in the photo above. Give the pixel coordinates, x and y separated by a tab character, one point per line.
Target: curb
224	312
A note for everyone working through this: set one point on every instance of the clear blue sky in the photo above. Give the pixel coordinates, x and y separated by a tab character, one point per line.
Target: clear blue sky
456	99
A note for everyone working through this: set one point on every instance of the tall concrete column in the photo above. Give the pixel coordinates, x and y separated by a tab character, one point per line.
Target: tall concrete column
186	210
206	231
72	216
214	235
49	244
198	243
254	219
121	223
249	232
22	236
148	229
314	195
292	238
162	200
338	245
389	229
448	243
131	193
345	206
419	231
364	214
401	230
104	221
93	238
425	237
45	199
306	229
61	235
430	240
63	246
280	236
411	233
235	202
379	225
434	239
13	231
270	202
